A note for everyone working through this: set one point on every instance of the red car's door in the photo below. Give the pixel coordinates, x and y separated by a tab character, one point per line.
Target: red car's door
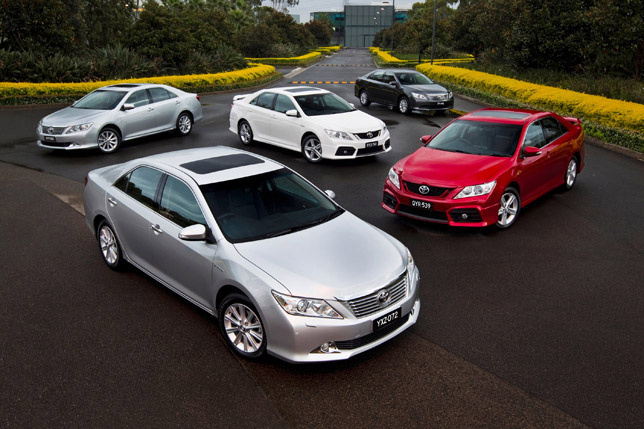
535	173
559	149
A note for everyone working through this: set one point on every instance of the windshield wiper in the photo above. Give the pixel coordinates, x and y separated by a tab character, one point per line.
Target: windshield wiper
319	221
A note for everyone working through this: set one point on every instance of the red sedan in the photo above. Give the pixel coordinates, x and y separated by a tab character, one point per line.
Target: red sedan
481	168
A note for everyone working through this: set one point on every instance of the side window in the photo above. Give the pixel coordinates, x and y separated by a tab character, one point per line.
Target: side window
283	103
388	77
179	205
376	76
264	99
534	136
122	182
139	98
552	129
143	185
159	94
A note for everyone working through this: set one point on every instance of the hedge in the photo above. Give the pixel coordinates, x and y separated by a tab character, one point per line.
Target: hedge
252	73
302	60
601	110
386	58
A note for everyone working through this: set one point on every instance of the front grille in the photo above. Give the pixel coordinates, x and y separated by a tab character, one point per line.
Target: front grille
368	135
438	97
423	214
434	191
369	150
366	305
471	215
52	131
55	144
374	336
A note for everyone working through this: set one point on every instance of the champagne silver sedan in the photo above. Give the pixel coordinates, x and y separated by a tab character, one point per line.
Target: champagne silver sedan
284	268
110	115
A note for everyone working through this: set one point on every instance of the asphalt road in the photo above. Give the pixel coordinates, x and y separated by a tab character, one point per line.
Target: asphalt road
536	326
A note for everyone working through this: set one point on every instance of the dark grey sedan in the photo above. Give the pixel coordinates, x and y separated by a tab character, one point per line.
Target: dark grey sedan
405	90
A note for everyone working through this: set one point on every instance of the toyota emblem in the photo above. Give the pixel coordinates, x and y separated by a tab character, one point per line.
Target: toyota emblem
50	130
383	296
369	135
423	189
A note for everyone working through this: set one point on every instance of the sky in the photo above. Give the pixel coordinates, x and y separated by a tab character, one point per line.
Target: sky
305	7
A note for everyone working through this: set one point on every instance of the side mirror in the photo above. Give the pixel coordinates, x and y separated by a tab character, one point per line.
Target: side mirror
352	105
128	106
529	151
292	113
194	233
393	83
329	193
425	139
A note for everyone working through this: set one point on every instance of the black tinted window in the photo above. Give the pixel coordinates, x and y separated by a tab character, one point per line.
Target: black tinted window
179	204
159	94
143	185
553	129
122	182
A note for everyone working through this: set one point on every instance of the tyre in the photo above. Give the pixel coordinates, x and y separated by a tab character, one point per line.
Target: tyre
509	208
403	105
241	326
109	246
364	98
312	149
570	177
245	133
184	124
109	139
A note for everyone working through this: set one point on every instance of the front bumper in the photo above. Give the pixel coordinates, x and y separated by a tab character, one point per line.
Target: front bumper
357	148
429	106
298	339
74	141
469	212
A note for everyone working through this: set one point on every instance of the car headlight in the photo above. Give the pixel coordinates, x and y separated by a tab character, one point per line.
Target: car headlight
79	127
418	96
311	307
39	127
338	135
476	190
449	95
393	176
411	265
384	130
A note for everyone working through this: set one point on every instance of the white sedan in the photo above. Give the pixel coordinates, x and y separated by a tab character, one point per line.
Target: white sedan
311	120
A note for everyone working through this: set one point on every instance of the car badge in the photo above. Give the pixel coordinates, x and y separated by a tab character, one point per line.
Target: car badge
50	130
369	135
383	296
423	189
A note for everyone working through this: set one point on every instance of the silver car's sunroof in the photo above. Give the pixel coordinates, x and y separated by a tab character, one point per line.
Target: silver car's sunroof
219	163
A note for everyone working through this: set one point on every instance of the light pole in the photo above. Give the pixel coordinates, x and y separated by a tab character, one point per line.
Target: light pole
393	24
433	33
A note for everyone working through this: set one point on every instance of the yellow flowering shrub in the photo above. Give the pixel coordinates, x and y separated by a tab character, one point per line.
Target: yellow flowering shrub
602	110
254	71
388	59
328	49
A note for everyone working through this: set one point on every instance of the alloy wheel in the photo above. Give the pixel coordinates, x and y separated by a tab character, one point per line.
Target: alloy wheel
313	149
245	133
243	328
108	141
571	173
508	209
184	124
109	246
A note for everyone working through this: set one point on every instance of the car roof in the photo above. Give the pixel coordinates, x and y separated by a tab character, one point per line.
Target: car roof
214	164
297	90
399	71
129	86
506	116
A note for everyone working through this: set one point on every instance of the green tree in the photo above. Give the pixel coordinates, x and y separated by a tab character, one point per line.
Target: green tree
321	31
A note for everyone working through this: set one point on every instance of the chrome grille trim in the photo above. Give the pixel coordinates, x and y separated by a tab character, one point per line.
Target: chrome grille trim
52	130
369	304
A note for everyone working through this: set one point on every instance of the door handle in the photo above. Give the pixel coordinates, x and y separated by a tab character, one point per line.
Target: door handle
177	102
112	201
150	109
157	229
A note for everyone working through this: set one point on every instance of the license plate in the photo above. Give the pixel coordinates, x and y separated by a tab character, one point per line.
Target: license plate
371	144
421	204
387	319
440	103
50	138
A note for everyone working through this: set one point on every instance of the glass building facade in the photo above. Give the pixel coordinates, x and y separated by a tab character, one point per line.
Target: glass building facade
361	23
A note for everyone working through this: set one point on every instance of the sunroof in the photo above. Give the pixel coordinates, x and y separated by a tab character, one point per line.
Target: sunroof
505	114
301	89
220	163
125	85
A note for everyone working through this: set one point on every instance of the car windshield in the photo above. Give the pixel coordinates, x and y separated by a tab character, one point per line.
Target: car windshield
413	79
267	205
478	138
100	100
323	104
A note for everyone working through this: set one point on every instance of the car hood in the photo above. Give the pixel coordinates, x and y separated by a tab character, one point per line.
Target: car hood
342	258
427	89
72	116
352	122
452	169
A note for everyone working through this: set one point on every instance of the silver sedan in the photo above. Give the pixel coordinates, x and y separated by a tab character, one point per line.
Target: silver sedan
110	115
284	268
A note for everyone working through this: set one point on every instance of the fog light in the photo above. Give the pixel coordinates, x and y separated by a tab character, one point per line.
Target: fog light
329	347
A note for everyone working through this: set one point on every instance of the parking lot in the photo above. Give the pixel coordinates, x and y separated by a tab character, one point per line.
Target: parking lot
535	326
